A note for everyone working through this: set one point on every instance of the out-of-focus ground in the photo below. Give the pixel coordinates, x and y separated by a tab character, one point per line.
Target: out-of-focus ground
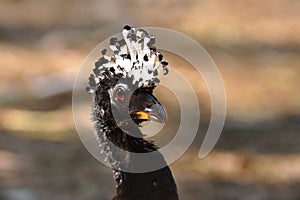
256	45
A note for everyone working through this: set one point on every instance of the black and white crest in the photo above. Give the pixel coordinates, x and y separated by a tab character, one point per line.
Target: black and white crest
134	57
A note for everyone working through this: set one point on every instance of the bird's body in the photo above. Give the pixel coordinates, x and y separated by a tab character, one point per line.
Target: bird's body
118	138
147	186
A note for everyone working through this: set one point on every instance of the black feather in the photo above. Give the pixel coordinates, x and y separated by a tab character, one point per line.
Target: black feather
130	186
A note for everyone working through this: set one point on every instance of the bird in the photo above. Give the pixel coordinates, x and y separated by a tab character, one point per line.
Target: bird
122	85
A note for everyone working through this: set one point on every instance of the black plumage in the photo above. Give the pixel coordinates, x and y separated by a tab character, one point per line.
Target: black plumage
113	92
130	186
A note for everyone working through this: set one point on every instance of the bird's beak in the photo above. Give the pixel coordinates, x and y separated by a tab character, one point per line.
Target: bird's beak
145	107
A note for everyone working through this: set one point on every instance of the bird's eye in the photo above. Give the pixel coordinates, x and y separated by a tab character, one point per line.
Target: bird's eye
120	94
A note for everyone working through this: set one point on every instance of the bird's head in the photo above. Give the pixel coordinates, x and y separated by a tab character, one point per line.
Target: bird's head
123	82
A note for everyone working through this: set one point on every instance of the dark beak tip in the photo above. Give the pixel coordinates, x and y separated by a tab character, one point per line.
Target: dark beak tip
158	114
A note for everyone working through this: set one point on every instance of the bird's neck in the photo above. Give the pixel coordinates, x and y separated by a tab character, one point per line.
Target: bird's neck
151	185
116	144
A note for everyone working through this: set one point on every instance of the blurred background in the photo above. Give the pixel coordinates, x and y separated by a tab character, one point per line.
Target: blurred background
255	44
